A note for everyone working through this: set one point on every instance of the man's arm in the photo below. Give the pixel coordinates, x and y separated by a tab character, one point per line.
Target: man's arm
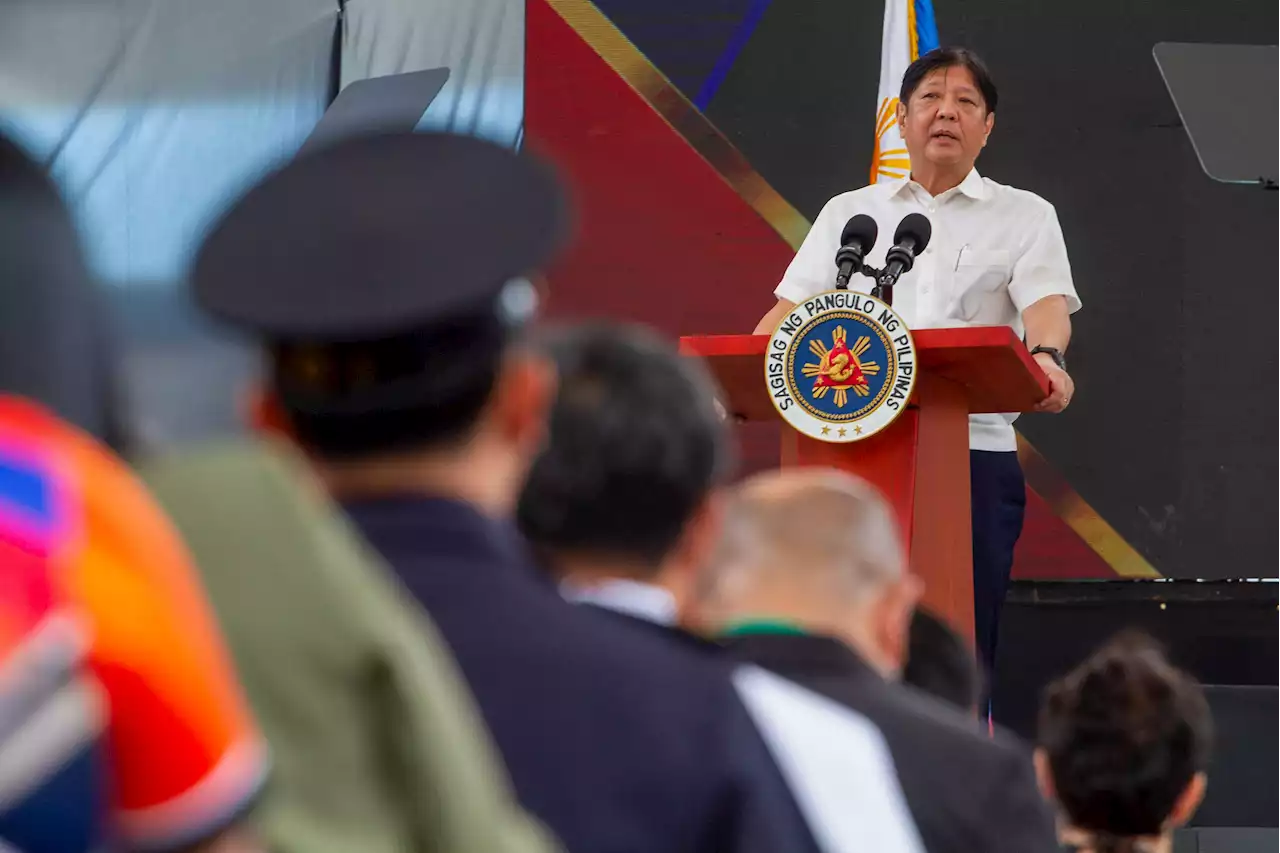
1048	324
1043	291
769	322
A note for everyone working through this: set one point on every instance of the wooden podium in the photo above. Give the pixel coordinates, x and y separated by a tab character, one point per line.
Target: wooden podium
921	461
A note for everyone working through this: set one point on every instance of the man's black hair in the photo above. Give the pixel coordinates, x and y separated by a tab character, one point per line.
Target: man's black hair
940	664
950	57
635	446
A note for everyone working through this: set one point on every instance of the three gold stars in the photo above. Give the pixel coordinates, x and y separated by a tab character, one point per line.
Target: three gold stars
842	432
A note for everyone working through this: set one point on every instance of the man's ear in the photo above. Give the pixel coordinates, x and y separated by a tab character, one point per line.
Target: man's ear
1189	800
522	399
990	124
1044	778
902	117
262	412
701	535
896	610
710	522
687	573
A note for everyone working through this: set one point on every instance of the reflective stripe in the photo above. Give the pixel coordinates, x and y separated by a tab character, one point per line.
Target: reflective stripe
62	726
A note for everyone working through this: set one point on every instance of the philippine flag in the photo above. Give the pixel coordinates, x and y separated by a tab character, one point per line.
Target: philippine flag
909	31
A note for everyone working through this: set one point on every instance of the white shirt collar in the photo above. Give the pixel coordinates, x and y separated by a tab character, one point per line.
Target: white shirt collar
641	600
973	186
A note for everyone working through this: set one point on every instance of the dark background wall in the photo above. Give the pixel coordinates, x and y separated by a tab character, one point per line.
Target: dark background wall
1173	433
1223	633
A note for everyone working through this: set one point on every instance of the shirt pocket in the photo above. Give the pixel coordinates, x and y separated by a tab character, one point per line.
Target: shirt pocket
980	275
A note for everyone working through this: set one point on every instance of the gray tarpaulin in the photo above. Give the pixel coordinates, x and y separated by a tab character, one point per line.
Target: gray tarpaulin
154	113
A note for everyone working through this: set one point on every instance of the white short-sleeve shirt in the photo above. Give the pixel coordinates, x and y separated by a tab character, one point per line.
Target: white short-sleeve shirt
995	250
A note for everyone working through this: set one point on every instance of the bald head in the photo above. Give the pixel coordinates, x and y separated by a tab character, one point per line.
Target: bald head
813	524
819	548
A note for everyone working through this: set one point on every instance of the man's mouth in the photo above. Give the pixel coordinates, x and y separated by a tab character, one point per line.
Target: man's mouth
944	134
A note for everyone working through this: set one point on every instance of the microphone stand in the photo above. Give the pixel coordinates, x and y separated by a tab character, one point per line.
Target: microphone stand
883	289
885	280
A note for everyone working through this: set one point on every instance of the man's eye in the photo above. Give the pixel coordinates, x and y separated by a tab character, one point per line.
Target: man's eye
928	95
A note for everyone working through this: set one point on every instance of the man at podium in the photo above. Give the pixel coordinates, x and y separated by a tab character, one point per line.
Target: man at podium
996	257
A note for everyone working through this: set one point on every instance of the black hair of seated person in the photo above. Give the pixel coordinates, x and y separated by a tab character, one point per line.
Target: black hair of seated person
940	663
56	347
1124	734
635	446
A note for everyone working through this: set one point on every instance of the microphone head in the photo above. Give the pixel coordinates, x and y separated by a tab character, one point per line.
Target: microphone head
860	231
916	228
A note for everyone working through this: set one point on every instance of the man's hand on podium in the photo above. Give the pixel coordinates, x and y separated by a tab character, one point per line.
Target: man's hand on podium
1061	386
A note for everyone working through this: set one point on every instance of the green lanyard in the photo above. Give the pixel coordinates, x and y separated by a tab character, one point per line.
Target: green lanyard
762	626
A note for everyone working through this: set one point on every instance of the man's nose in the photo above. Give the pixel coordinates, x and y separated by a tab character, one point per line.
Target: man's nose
948	108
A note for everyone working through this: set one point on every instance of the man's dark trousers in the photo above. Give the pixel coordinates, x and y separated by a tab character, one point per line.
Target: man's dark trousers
999	500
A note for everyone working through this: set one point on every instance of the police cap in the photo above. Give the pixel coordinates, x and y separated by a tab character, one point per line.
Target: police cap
384	272
378	235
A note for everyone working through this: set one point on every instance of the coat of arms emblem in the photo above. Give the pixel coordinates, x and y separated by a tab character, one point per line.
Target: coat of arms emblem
841	366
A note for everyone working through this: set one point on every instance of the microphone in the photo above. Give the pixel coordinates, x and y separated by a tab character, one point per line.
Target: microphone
856	240
909	240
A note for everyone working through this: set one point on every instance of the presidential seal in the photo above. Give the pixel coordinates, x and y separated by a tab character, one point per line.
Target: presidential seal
841	366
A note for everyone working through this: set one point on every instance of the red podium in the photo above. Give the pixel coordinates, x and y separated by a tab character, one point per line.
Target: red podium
921	461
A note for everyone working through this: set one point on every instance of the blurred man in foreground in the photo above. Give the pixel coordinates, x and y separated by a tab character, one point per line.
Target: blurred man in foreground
121	722
624	505
384	276
811	582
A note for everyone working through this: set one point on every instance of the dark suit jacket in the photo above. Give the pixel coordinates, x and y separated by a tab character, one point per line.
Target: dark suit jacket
967	792
617	738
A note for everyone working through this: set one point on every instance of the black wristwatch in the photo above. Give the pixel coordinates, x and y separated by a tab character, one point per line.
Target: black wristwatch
1055	354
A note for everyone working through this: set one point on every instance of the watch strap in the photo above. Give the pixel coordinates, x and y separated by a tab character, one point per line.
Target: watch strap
1053	353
